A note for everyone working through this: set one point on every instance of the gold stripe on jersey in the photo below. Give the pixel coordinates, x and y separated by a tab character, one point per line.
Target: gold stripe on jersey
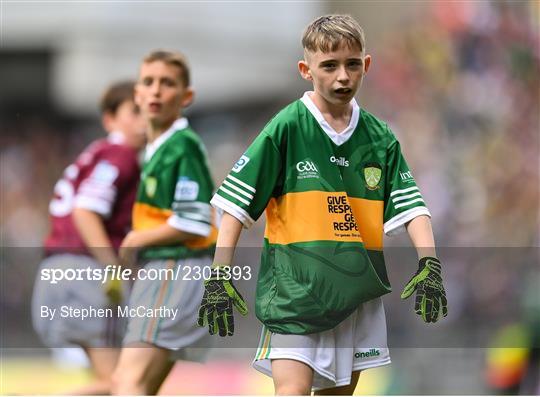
148	217
370	214
324	216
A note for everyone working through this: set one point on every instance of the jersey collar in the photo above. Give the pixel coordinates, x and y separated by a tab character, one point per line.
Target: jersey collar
152	148
338	139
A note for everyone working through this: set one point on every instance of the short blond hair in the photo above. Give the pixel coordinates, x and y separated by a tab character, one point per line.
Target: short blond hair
329	32
175	58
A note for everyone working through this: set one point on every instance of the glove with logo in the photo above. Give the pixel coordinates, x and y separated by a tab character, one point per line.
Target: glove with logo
217	303
430	301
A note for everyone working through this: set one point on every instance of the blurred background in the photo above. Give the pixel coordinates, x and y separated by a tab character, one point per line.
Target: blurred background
459	83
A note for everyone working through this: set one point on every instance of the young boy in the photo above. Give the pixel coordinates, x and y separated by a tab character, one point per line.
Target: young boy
172	229
331	178
90	215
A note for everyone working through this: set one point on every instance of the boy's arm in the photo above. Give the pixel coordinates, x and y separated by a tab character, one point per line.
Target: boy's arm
243	196
421	234
228	235
161	235
90	226
430	301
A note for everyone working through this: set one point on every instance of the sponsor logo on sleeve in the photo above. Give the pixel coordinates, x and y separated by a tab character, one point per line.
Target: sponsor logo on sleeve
241	163
186	189
406	176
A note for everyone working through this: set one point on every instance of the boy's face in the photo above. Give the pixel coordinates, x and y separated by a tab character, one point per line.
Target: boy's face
161	92
129	121
336	75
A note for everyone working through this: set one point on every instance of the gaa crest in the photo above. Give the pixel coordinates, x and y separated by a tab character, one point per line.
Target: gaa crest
372	175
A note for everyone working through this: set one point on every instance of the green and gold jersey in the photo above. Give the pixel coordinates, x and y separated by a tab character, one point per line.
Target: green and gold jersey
328	199
176	188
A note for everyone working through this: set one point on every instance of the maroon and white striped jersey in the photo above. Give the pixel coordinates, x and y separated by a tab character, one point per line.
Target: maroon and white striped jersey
104	180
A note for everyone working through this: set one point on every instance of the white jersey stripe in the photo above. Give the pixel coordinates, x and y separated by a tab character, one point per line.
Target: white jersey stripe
407	196
193	206
406	203
102	207
226	182
194	216
409	189
241	199
243	184
187	225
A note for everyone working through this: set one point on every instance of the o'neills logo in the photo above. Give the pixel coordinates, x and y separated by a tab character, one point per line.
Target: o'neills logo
341	161
370	353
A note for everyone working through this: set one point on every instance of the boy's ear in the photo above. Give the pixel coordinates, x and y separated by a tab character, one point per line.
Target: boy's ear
136	96
304	70
107	119
189	94
367	63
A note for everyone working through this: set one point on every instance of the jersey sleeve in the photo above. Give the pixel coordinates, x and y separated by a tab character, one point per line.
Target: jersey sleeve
245	192
403	200
97	190
192	212
113	170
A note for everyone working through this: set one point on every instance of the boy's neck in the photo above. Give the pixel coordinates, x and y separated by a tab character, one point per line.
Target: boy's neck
155	130
338	116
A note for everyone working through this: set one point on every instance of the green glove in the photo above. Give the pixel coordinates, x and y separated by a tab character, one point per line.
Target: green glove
113	290
217	303
430	301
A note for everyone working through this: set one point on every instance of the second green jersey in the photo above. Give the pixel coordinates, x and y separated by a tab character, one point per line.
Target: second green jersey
328	199
175	189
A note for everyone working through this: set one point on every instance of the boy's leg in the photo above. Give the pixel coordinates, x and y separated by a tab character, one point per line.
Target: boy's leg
103	361
141	370
346	390
291	377
146	358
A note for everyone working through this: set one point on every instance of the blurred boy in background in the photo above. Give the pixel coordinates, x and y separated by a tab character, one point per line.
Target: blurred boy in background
172	231
90	216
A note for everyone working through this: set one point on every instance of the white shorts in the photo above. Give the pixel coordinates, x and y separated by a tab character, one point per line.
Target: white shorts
67	296
180	333
357	343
